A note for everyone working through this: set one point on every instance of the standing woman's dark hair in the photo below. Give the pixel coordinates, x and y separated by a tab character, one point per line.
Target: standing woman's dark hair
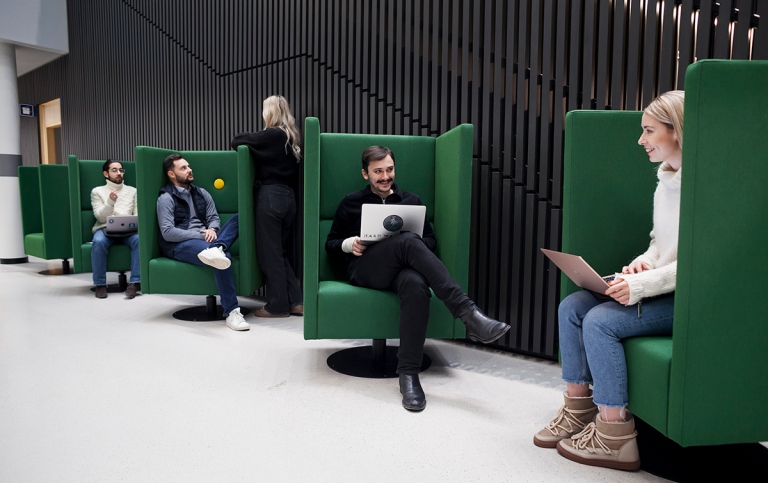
277	152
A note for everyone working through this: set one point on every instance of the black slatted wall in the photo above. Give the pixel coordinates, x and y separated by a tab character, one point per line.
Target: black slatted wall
189	74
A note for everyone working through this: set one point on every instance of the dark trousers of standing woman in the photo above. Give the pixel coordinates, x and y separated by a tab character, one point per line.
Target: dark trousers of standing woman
404	265
275	214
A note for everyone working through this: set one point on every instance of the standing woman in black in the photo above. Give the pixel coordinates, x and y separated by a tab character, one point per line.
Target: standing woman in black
277	154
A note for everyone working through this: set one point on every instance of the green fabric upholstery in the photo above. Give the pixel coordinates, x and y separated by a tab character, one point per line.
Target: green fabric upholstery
706	384
718	387
45	211
237	170
84	175
438	170
31	211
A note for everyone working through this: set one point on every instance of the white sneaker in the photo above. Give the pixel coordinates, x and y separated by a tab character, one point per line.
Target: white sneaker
235	320
215	257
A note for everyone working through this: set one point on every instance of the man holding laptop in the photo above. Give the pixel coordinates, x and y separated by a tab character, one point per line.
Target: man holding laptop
404	264
113	199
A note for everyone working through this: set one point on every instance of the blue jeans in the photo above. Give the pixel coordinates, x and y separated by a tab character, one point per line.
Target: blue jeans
100	250
187	251
275	215
590	340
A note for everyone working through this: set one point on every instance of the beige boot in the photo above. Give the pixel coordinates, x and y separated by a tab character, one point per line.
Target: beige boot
572	417
610	445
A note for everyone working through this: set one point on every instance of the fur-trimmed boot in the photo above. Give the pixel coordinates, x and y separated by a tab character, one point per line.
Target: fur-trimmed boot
572	417
610	445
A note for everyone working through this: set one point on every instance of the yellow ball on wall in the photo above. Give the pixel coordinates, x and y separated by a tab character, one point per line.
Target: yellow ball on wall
218	184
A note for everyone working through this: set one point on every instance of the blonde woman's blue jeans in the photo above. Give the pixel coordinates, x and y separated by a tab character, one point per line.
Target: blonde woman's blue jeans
591	332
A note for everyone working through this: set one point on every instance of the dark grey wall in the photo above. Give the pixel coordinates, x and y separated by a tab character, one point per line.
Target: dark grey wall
189	74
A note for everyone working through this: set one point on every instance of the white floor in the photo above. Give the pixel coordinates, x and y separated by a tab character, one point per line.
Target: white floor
118	390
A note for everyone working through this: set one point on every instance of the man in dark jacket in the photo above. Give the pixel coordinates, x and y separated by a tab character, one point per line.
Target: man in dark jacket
406	265
191	231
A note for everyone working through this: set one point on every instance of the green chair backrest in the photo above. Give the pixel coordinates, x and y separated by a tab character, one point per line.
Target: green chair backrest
31	209
609	222
720	336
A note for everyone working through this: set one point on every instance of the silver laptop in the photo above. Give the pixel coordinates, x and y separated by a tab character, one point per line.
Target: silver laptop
122	225
579	271
380	221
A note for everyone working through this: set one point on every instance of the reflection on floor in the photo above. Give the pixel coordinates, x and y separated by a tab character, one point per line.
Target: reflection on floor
118	390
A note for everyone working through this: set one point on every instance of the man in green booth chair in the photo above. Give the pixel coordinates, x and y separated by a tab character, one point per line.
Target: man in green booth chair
191	232
405	264
113	198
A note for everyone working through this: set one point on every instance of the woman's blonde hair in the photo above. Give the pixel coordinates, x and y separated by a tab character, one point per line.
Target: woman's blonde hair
277	113
668	110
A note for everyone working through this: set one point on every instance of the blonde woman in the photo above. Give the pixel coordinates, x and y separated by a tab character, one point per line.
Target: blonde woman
593	427
277	153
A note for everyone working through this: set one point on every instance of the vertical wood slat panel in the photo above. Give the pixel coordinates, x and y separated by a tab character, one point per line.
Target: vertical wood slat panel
513	69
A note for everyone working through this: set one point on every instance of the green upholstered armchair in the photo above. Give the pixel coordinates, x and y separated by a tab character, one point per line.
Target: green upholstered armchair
439	170
45	217
84	175
706	384
163	275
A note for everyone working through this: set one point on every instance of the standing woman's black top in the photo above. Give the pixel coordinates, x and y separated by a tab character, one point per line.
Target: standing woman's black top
275	161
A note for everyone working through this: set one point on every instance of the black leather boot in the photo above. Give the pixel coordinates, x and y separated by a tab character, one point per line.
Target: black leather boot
413	395
481	328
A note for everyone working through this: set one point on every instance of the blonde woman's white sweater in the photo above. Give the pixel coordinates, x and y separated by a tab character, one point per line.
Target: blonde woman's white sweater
662	252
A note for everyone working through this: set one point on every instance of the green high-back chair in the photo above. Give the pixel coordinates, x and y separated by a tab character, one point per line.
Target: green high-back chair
705	384
159	274
439	170
45	217
84	175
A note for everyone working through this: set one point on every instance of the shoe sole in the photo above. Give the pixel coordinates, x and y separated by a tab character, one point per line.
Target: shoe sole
415	409
545	444
613	464
474	338
217	263
234	328
260	313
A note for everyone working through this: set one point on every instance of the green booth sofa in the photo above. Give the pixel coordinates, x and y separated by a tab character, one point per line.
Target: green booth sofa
439	170
159	274
45	216
84	175
706	384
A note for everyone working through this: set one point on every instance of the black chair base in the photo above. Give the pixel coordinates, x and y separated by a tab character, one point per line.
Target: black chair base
64	270
662	457
377	361
11	261
208	313
120	286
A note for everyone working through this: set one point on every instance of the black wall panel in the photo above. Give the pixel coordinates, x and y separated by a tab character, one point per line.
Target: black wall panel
189	74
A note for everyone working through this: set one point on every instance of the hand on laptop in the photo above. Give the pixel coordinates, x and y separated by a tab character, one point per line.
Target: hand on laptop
618	291
354	246
636	267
